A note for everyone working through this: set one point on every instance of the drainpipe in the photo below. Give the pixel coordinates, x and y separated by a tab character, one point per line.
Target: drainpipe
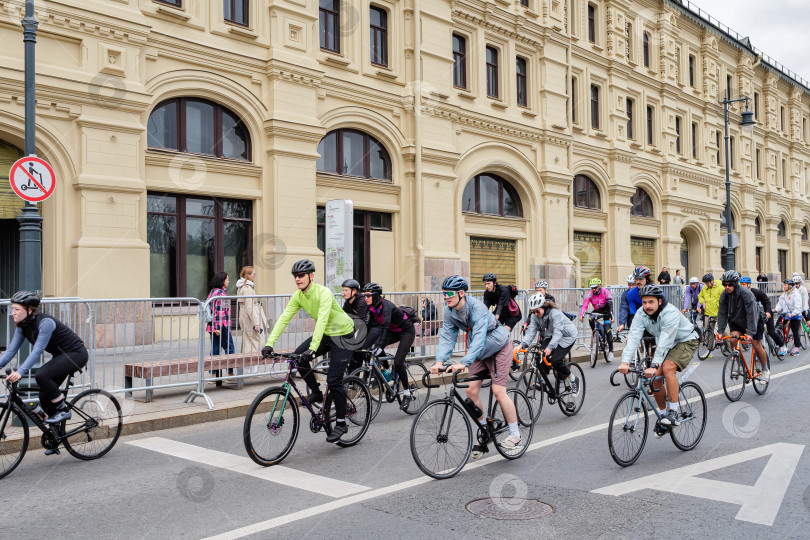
417	135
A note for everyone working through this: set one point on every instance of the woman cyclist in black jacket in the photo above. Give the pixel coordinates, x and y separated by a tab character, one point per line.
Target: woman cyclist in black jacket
498	296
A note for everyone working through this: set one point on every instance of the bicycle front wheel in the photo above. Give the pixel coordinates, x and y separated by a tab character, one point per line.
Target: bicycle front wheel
627	429
376	387
98	420
734	377
441	439
802	339
13	437
525	422
419	396
271	426
531	383
706	345
358	412
760	383
692	416
571	403
594	348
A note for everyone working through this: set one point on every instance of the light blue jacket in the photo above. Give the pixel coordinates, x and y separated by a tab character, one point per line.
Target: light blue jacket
670	328
484	334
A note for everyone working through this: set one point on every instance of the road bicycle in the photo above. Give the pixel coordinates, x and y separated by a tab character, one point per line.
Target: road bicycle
738	371
783	326
382	387
90	433
642	358
537	386
629	421
707	342
272	421
599	336
442	433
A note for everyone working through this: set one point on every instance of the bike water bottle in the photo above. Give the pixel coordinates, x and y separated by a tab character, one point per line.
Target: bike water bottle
472	408
387	375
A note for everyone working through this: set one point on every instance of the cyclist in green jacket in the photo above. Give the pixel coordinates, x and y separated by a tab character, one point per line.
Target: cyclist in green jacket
333	332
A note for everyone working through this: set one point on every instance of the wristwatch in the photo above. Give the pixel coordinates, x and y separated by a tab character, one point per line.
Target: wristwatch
655	366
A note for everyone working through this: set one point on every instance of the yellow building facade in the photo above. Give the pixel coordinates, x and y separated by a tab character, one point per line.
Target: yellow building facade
556	139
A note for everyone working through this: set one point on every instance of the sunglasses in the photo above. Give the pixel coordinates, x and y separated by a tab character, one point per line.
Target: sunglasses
536	311
449	294
728	284
368	295
299	276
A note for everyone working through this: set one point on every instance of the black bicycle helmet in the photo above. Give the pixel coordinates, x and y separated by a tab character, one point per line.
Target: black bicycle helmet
304	266
352	284
708	278
373	288
26	298
786	281
731	276
454	283
641	272
490	277
651	290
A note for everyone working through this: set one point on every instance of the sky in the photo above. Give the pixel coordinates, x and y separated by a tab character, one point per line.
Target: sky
779	28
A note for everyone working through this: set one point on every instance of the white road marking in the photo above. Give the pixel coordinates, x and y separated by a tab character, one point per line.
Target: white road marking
278	473
334	505
758	503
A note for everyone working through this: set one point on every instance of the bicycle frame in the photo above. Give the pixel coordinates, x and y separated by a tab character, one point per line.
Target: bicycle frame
652	405
749	366
289	381
452	393
374	365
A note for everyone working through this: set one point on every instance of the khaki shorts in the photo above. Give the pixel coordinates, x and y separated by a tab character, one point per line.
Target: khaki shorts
682	353
499	364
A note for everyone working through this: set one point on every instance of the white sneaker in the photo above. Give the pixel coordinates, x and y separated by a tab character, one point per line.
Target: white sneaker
610	357
512	441
765	375
782	350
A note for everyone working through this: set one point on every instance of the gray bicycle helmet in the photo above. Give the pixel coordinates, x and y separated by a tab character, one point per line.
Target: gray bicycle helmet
26	298
304	266
651	290
730	276
352	284
490	277
454	283
541	284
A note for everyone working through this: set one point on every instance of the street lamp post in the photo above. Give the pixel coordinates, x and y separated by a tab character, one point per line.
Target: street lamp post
747	124
30	220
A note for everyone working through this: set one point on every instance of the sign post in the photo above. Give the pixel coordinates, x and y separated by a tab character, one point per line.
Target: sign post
339	242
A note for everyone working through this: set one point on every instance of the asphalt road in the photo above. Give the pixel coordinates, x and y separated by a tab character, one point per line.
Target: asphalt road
197	482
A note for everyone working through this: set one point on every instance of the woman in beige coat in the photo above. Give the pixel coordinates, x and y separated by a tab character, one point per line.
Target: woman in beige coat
252	319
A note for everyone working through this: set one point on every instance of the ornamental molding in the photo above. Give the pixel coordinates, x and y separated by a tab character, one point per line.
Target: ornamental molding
486	21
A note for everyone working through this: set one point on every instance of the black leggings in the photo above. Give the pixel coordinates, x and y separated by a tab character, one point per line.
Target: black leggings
338	360
51	375
796	326
607	331
775	336
558	360
510	320
405	339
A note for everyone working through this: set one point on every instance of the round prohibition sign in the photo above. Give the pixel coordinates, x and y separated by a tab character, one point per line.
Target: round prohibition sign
32	179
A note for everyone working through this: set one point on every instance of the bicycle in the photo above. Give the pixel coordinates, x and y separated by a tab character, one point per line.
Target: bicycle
441	446
535	383
707	342
629	421
380	387
641	359
267	436
737	372
92	431
518	362
599	336
787	334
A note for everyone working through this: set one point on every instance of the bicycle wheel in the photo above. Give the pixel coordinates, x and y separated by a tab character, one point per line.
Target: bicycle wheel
692	413
358	412
376	387
569	403
419	395
525	420
594	348
13	437
518	367
271	426
627	429
802	339
733	377
706	345
97	415
760	383
631	378
531	383
441	439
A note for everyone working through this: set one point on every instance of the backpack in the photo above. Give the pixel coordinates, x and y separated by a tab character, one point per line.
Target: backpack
409	313
513	291
209	313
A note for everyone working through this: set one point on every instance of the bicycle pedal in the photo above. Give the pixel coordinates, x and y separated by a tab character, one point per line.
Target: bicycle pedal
52	451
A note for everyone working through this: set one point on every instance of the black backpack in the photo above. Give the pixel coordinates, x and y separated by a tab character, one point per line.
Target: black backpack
513	291
409	313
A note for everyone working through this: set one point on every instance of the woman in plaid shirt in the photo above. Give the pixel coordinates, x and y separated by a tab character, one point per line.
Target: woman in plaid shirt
220	327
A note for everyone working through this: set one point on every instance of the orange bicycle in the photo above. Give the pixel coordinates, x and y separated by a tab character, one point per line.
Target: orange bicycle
737	371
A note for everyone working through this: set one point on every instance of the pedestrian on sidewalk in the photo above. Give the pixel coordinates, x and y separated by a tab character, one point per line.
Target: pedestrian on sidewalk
664	278
678	279
252	319
220	326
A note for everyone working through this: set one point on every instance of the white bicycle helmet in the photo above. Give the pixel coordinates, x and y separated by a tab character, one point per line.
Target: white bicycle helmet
536	301
631	278
541	284
693	279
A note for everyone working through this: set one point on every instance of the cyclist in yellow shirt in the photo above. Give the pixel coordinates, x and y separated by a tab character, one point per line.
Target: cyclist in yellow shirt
709	301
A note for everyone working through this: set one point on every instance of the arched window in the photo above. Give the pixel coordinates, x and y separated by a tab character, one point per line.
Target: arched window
353	153
491	194
781	229
723	220
586	194
642	204
757	226
804	233
198	126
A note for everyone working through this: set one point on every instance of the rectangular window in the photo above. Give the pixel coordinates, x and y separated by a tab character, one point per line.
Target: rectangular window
782	261
191	237
758	155
678	134
756	105
805	261
175	3
649	125
646	49
459	61
781	119
804	129
728	86
524	3
364	223
691	71
329	24
717	143
784	174
379	36
759	259
237	11
694	140
630	134
594	106
492	72
574	100
591	23
521	82
731	153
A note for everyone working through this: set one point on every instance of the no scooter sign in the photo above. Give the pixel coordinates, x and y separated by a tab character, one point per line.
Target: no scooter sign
32	179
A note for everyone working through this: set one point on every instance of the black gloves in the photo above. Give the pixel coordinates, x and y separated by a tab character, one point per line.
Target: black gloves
308	355
267	351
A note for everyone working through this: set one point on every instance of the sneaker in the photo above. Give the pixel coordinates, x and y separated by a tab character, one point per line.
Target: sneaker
670	419
765	374
609	357
782	351
511	442
795	352
479	450
575	387
315	397
337	432
61	414
405	401
52	451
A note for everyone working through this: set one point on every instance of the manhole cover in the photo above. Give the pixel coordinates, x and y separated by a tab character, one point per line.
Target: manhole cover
509	508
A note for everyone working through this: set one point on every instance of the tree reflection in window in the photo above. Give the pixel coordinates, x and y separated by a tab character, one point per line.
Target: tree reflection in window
642	204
